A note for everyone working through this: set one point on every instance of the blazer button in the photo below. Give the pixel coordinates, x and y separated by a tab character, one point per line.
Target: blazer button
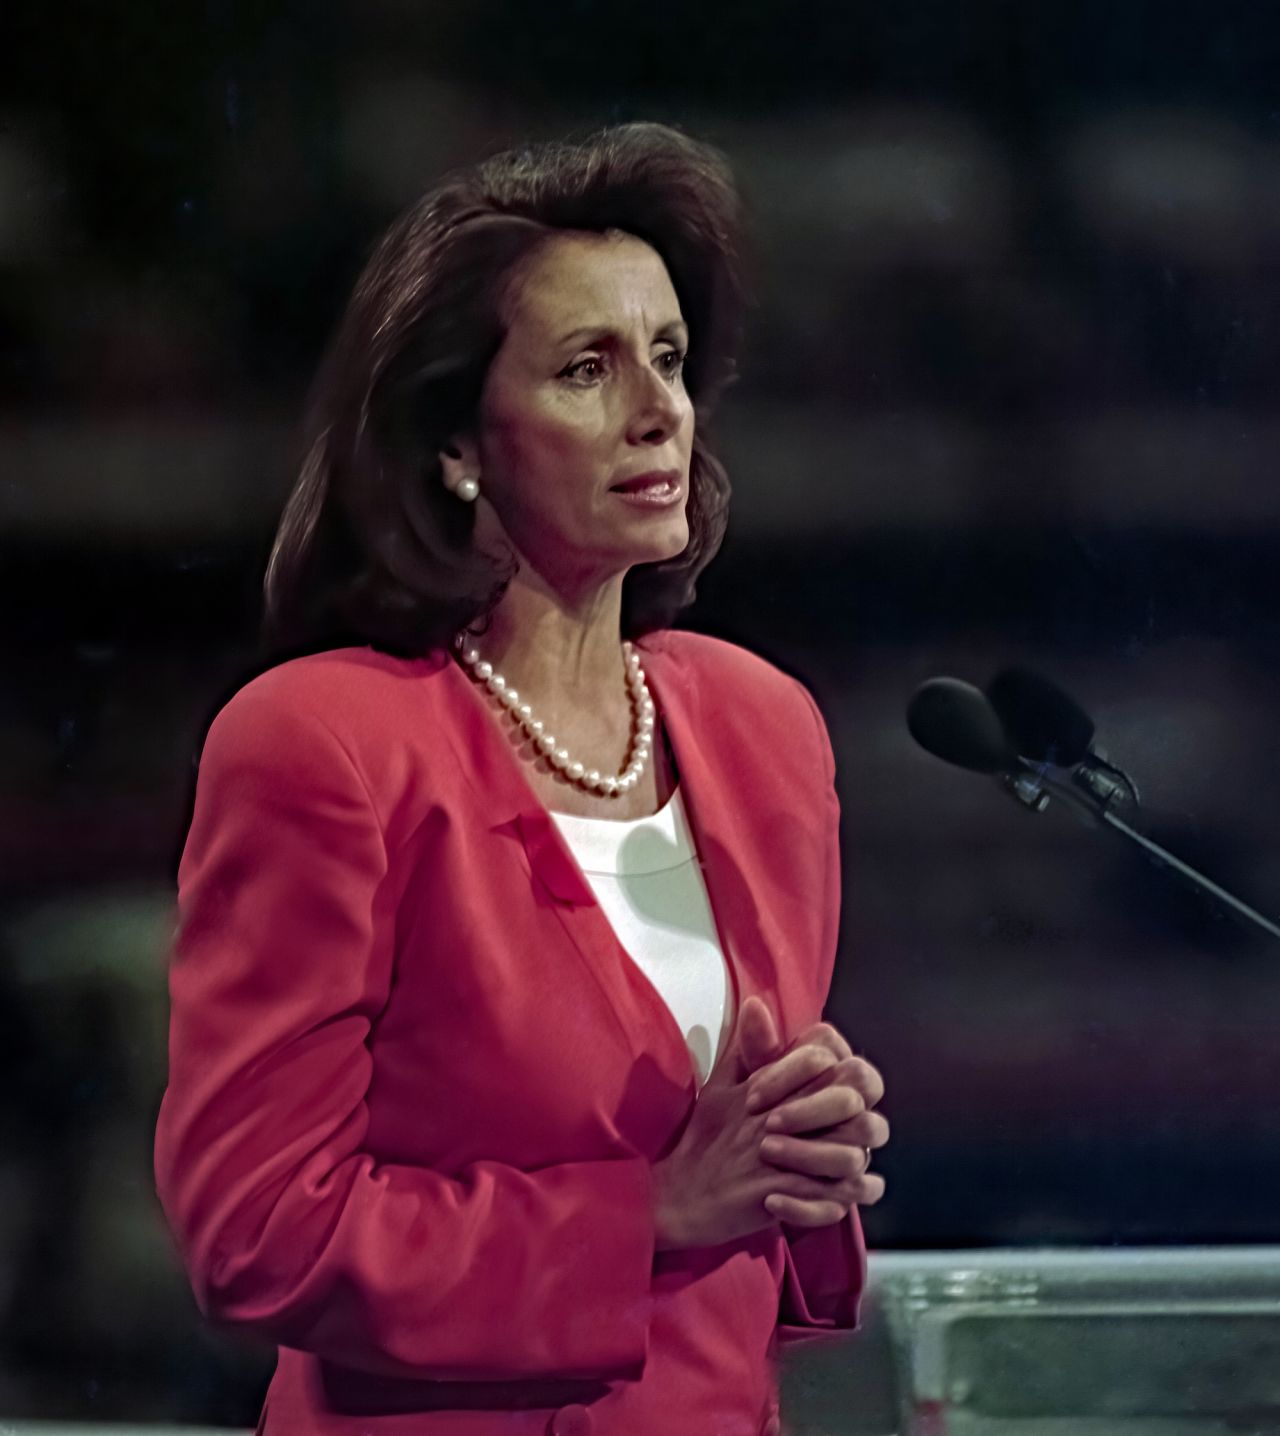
571	1420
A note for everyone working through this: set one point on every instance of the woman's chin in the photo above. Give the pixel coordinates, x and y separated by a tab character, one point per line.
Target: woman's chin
663	541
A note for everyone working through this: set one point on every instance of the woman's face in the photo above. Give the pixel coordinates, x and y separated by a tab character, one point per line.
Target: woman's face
585	429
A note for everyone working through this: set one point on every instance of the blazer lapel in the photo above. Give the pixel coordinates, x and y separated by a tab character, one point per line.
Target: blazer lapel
712	781
513	807
518	815
550	860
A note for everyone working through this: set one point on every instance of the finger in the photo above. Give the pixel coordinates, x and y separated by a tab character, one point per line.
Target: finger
822	1109
860	1075
813	1158
873	1187
854	1191
868	1129
771	1084
758	1041
753	1034
822	1034
867	1080
797	1212
820	1211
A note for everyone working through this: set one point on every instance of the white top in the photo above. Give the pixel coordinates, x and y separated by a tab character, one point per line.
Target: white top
647	880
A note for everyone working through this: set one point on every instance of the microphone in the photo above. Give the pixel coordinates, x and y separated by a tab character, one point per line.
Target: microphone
1043	723
956	722
1018	730
1048	727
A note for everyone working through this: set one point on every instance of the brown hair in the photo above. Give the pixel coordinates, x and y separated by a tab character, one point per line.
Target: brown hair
371	548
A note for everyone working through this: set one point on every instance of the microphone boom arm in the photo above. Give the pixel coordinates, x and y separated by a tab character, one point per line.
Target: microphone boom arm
1034	788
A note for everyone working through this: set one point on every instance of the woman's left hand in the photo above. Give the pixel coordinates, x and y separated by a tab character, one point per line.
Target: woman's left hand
822	1126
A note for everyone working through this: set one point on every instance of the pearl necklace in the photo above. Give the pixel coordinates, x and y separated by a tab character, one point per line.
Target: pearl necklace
559	758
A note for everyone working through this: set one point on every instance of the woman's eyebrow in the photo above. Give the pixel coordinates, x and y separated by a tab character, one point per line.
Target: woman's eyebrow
603	331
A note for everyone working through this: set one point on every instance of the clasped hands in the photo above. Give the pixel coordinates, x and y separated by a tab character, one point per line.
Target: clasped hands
775	1134
822	1123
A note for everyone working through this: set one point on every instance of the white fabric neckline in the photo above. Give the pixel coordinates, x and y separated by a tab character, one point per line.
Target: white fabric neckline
627	847
648	881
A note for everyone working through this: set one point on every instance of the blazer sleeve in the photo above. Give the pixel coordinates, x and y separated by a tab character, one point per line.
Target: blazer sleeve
281	962
825	1267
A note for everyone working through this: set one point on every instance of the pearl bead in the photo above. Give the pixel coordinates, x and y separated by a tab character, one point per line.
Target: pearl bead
592	779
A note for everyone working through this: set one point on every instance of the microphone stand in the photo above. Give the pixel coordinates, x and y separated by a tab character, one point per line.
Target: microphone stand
1034	788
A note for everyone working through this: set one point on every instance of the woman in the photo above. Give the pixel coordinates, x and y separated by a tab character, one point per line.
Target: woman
503	940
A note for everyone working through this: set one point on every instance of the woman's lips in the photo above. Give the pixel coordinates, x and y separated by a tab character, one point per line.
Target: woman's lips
656	490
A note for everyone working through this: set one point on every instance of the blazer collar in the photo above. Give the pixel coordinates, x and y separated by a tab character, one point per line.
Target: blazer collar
518	811
495	770
710	779
717	795
715	783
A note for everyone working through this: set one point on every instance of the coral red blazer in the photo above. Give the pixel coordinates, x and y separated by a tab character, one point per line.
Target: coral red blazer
416	1085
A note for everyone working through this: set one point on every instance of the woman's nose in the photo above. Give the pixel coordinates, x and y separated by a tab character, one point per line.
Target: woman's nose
658	407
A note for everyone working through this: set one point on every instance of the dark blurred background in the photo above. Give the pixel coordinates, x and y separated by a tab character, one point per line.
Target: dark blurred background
1008	395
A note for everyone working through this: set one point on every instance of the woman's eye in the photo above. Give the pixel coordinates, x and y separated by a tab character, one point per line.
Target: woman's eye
594	366
590	368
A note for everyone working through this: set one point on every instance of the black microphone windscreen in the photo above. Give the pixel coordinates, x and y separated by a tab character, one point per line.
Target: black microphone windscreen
956	723
1042	722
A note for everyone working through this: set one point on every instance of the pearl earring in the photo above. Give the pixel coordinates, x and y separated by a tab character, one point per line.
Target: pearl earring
467	490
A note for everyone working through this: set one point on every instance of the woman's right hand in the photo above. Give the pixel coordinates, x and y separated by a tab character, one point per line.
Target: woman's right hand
711	1187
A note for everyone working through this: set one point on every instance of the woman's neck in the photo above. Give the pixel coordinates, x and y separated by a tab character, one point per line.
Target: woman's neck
557	646
564	656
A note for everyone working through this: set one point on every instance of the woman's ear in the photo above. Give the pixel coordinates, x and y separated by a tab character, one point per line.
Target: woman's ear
460	469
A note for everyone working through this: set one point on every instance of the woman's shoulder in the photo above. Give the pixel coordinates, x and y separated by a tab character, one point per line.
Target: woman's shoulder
716	661
355	693
741	691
